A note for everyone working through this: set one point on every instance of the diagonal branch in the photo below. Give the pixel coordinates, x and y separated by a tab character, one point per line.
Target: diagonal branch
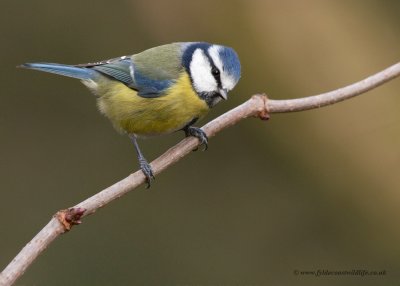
311	102
257	106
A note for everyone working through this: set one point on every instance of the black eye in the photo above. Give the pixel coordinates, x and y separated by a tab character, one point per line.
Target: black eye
215	72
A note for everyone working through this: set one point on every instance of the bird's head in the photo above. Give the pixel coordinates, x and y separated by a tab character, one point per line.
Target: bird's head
214	70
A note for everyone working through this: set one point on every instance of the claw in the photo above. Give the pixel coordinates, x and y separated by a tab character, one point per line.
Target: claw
147	171
144	165
199	134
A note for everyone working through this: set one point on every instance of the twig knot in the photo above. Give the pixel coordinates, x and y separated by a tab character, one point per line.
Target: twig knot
70	217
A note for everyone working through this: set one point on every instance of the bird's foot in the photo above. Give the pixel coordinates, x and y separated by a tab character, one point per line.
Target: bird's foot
147	171
199	134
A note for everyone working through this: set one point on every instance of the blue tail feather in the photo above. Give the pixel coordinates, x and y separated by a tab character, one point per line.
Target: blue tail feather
65	70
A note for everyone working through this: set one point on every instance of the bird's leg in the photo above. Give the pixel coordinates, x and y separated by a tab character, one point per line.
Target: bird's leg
198	133
144	165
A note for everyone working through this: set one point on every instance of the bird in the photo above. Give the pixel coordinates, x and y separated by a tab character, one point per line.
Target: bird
158	91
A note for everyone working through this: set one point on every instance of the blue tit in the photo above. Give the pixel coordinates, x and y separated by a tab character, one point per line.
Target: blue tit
158	91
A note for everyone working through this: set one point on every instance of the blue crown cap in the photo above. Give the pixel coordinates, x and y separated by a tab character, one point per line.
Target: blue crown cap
231	61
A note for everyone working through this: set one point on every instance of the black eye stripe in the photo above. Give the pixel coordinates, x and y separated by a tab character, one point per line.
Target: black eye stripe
214	70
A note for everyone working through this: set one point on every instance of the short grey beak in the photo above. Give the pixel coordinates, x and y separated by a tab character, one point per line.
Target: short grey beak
223	93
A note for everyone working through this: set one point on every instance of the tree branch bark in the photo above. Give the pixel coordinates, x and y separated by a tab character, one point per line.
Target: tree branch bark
257	106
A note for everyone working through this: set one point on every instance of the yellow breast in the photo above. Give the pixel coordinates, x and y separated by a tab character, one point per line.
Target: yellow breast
150	116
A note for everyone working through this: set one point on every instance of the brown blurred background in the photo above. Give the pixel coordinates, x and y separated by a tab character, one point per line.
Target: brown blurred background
305	191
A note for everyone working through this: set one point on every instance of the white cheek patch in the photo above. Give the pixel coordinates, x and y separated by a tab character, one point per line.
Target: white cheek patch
200	69
227	81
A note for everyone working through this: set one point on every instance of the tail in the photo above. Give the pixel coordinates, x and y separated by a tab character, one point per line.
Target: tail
81	73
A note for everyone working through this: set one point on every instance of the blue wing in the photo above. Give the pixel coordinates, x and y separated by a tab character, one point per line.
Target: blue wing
124	70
